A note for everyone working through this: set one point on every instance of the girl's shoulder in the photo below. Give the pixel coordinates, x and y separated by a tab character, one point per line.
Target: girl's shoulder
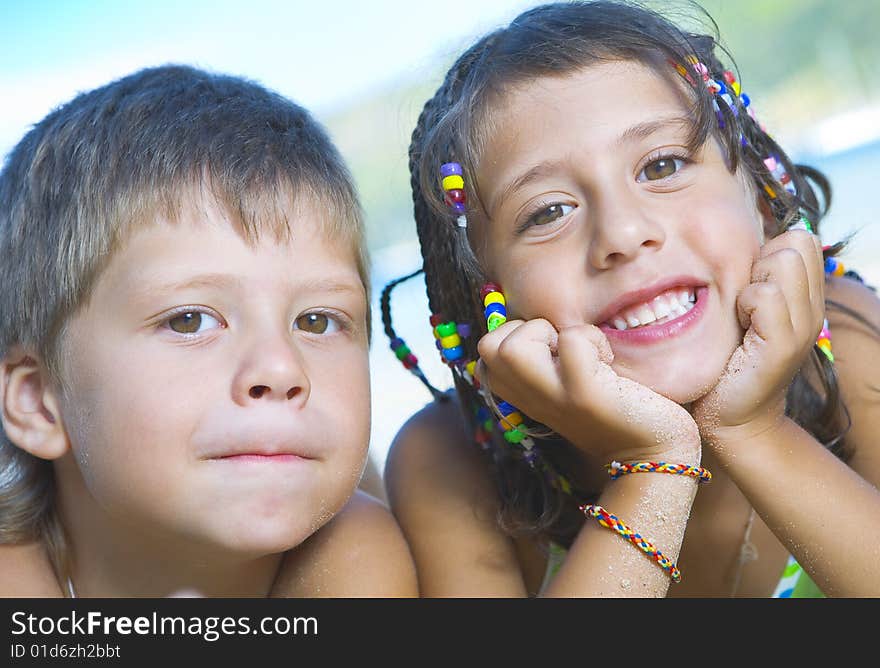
854	320
361	552
25	571
442	493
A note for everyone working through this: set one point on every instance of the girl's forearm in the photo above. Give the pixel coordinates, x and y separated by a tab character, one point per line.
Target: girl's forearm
826	515
602	563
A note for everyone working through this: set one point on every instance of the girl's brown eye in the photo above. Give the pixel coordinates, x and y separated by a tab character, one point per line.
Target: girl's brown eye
549	214
186	323
192	322
313	323
661	169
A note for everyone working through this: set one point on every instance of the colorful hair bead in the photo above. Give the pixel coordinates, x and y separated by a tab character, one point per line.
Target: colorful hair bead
495	309
448	341
834	267
452	182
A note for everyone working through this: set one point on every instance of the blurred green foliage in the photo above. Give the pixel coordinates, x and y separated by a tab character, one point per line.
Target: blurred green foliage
799	60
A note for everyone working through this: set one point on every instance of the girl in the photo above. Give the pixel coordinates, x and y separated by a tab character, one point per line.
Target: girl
657	304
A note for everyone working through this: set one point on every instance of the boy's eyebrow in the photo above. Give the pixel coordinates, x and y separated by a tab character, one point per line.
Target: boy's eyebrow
646	129
219	280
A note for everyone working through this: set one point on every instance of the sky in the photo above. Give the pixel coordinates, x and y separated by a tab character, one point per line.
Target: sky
323	55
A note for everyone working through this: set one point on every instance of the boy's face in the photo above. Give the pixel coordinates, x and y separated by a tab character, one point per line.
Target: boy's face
217	390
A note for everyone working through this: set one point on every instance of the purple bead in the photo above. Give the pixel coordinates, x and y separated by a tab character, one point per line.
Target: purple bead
459	207
464	330
396	343
450	168
438	345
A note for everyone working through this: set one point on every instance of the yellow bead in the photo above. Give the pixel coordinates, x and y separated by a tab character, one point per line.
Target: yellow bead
453	182
450	341
494	298
471	367
824	344
512	419
839	270
736	87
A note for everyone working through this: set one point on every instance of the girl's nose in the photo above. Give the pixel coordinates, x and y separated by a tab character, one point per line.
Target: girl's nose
621	231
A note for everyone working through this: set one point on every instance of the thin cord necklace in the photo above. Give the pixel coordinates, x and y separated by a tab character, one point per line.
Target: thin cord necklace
747	553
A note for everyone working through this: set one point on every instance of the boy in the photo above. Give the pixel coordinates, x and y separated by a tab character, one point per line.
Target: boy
183	336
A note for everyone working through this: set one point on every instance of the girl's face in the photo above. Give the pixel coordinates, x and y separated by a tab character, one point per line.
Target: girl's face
598	213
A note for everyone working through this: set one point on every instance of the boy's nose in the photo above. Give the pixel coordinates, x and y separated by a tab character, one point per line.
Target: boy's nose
272	371
621	231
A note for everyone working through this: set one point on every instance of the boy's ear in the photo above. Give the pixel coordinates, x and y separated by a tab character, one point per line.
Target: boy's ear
30	413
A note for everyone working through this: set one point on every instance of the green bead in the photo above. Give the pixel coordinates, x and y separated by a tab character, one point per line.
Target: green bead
488	424
446	329
495	321
514	436
402	352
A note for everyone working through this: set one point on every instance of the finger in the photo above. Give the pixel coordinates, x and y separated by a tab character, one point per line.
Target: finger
810	248
584	352
527	355
787	269
763	310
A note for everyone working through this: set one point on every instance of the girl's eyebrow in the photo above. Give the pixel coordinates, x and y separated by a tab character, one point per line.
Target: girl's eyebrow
533	174
646	129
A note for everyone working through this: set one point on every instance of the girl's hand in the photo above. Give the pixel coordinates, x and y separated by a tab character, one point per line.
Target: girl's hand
564	380
782	311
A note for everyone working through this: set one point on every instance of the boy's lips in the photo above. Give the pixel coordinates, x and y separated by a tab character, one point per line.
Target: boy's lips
257	449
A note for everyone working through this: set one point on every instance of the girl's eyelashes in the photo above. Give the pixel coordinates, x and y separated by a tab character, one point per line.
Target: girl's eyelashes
189	321
545	214
320	322
660	167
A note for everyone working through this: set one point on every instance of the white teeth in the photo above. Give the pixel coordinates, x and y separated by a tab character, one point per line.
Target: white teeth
661	308
645	314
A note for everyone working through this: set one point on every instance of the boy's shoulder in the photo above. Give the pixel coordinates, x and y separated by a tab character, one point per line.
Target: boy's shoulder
361	552
25	572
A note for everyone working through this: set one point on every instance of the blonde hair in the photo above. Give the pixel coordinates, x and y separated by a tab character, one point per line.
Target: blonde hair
116	158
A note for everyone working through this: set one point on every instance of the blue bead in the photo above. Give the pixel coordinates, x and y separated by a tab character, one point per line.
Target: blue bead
830	265
495	307
505	408
437	344
452	354
746	100
396	343
482	414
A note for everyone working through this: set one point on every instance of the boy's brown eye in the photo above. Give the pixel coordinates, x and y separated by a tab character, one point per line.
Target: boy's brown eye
192	322
186	323
661	169
314	323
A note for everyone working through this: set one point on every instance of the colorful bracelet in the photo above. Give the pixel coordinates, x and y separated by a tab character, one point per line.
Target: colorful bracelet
616	469
609	521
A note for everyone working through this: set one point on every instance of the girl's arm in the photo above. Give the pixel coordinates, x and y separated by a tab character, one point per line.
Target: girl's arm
359	553
826	513
441	492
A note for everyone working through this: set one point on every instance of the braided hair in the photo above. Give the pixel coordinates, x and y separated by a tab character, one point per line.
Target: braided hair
554	40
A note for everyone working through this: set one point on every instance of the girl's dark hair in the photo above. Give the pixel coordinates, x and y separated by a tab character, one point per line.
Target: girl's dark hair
555	40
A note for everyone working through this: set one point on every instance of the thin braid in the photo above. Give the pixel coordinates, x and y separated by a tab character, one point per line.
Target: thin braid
398	345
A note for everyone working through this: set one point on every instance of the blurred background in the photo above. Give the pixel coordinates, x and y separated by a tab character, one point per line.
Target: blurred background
365	69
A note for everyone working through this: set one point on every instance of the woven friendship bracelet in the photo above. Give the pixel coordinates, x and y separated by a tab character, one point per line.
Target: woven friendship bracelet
612	522
616	469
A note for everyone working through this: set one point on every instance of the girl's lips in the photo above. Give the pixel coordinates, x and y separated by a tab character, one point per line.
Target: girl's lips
654	333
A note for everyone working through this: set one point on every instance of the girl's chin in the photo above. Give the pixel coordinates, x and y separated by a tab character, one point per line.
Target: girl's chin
682	388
